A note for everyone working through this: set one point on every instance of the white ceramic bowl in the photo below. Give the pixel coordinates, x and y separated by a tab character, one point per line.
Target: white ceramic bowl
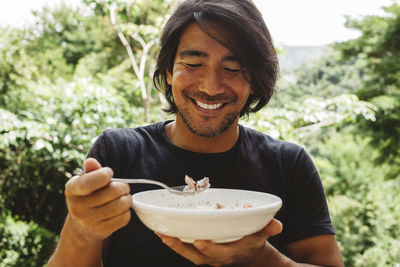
197	217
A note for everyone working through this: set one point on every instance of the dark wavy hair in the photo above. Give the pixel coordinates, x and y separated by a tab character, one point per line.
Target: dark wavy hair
244	34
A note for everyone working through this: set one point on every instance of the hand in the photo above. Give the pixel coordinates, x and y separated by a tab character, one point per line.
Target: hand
243	251
96	206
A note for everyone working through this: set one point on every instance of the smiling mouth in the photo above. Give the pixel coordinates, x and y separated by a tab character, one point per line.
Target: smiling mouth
209	106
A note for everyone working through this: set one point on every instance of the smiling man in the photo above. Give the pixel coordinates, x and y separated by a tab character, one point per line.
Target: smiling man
216	64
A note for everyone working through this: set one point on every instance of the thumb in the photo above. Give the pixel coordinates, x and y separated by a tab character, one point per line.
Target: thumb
91	164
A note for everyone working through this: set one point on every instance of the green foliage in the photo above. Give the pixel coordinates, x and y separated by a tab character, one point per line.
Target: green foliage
72	34
16	67
364	206
328	77
142	13
40	148
24	244
379	47
317	95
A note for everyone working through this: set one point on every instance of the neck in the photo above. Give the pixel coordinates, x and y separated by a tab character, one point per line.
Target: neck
180	135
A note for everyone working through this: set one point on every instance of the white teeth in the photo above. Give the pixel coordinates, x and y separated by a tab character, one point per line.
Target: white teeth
207	106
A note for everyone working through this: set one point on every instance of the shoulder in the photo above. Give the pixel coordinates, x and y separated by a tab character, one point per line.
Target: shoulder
288	157
121	147
131	133
266	143
122	137
120	141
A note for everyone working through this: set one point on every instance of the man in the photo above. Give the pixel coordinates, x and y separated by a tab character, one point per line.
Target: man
216	64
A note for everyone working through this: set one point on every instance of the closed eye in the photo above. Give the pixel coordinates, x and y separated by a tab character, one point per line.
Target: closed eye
193	65
232	70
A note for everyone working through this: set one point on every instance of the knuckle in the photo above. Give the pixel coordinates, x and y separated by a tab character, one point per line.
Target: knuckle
126	188
83	186
80	185
128	201
103	174
119	205
69	186
119	189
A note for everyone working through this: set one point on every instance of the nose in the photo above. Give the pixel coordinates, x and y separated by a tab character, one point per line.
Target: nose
211	83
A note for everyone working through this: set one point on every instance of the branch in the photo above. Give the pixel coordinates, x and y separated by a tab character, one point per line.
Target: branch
145	47
129	51
315	126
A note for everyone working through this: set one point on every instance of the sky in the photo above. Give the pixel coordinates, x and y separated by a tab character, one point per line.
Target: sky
290	22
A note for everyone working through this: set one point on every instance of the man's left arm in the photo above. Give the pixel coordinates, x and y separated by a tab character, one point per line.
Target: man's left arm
321	250
254	250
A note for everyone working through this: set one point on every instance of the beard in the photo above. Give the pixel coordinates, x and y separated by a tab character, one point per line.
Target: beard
207	131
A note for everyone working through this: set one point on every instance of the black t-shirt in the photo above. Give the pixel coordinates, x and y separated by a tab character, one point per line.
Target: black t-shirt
256	162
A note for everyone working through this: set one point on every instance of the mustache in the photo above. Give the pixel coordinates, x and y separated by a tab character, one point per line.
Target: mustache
206	97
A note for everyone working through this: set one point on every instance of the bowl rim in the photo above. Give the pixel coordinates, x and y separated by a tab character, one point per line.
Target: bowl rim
272	207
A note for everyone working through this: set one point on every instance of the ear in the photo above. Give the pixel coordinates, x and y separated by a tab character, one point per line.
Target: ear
169	77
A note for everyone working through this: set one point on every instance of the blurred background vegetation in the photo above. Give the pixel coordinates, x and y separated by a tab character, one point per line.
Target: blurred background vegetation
77	71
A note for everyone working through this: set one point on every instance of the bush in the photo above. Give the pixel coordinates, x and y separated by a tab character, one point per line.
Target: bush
363	203
41	147
24	244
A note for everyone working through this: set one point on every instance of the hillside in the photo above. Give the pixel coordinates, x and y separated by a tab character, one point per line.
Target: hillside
294	56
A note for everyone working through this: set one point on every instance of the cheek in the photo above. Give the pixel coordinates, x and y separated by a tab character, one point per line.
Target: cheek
242	88
180	80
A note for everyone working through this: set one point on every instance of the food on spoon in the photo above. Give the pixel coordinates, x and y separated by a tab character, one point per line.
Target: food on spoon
193	186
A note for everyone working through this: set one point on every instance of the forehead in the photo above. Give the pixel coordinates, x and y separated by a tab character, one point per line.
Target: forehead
209	36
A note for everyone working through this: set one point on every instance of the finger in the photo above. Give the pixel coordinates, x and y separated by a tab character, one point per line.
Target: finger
112	208
91	217
88	183
112	191
273	228
91	164
184	249
222	253
240	250
105	228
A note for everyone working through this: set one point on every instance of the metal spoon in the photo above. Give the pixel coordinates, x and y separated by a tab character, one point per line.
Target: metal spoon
174	190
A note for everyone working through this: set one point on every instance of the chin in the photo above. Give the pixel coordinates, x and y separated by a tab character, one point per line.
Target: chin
206	126
209	130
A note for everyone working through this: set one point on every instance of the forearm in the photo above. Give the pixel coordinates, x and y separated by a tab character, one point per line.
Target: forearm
270	256
76	250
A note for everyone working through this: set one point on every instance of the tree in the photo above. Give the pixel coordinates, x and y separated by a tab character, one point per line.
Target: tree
137	26
379	47
315	96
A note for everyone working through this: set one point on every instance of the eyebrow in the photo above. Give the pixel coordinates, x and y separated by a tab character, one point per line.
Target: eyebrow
197	53
192	53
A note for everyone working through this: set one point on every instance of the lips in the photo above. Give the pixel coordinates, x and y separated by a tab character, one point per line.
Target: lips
208	106
213	102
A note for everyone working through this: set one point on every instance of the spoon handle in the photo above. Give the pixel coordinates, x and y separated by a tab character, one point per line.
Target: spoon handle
140	181
178	190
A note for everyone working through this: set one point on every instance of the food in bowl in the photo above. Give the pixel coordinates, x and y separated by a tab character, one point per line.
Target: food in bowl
219	215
